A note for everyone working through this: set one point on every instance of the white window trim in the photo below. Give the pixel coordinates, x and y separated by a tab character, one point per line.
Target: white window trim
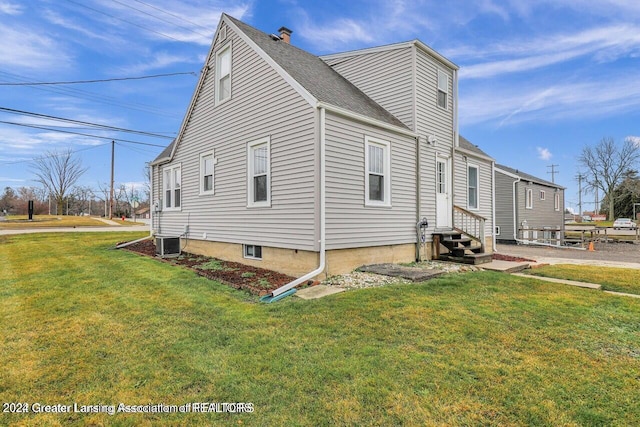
497	230
223	49
250	203
445	90
543	195
171	170
201	175
387	172
244	252
556	201
528	197
477	168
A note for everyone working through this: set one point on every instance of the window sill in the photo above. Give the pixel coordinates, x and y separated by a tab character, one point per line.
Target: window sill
172	209
259	205
224	101
206	193
377	205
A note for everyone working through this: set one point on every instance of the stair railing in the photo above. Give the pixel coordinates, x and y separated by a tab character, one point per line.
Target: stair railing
469	223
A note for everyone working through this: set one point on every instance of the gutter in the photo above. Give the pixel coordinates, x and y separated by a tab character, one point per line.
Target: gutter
515	219
493	206
288	289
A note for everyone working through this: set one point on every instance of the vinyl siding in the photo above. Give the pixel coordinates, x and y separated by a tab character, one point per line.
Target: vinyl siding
262	105
543	213
349	222
485	193
432	120
504	205
386	77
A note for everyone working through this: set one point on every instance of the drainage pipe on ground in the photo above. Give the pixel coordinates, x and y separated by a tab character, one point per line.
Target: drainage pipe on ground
124	245
288	289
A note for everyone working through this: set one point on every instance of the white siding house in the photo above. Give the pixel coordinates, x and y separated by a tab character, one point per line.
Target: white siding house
313	165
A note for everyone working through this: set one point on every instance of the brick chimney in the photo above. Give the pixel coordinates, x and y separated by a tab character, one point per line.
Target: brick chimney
285	34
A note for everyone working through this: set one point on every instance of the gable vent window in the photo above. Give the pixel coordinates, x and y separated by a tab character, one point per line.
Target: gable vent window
443	88
223	74
543	195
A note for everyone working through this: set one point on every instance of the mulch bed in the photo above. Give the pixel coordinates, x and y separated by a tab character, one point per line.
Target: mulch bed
258	281
501	257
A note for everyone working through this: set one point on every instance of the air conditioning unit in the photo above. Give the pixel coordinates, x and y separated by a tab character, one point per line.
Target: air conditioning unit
167	247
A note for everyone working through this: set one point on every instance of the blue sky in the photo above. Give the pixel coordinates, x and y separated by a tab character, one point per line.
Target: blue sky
538	79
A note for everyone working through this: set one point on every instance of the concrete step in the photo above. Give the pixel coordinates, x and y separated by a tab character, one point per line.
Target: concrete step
474	259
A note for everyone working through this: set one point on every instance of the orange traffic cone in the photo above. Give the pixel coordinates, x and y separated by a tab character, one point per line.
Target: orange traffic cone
591	247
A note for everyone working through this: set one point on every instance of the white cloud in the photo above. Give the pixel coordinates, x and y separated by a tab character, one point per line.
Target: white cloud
158	60
9	8
544	153
23	48
6	179
603	44
634	139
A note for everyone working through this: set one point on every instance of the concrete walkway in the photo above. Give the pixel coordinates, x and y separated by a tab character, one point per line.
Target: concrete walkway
576	283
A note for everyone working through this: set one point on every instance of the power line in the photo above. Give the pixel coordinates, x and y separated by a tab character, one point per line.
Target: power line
96	125
53	155
124	20
161	19
81	134
171	14
97	80
100	98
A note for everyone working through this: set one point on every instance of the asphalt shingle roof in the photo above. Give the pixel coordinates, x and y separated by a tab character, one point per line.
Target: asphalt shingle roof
464	143
318	78
527	177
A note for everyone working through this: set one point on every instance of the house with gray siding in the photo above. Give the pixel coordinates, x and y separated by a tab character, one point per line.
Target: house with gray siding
309	165
528	210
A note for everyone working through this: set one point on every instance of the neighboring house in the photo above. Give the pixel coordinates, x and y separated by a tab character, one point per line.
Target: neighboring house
313	165
528	209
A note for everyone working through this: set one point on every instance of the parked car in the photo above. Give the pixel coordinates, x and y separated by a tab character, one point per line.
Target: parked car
624	223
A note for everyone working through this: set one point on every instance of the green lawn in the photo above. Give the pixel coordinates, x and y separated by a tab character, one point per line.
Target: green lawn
612	279
46	221
83	323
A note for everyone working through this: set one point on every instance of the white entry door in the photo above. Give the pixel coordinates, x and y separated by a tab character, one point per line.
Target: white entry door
444	206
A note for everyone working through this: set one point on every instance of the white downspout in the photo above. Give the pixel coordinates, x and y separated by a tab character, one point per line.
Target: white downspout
493	206
515	219
322	262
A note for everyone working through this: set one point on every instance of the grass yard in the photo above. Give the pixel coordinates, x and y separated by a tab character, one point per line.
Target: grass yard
86	324
46	221
612	279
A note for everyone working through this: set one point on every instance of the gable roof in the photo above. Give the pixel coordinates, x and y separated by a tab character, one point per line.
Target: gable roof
465	145
526	177
315	80
417	43
321	81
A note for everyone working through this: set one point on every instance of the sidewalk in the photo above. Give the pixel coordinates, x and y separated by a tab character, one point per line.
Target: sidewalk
612	255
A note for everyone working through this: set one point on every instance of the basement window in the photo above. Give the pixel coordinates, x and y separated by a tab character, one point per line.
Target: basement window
252	251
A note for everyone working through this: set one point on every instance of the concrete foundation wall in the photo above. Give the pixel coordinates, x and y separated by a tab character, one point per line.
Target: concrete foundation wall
298	262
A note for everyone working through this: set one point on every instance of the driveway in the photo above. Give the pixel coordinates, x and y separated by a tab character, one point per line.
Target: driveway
605	254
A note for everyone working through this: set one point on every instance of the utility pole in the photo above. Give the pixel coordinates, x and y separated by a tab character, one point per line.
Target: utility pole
553	172
113	144
580	178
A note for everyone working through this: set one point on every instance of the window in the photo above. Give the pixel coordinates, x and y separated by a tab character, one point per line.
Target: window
253	251
472	183
223	74
378	177
259	172
497	230
207	163
556	201
529	200
542	195
441	178
443	88
171	184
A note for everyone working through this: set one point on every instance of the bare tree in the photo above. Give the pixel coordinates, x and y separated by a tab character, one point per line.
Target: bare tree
607	165
58	172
